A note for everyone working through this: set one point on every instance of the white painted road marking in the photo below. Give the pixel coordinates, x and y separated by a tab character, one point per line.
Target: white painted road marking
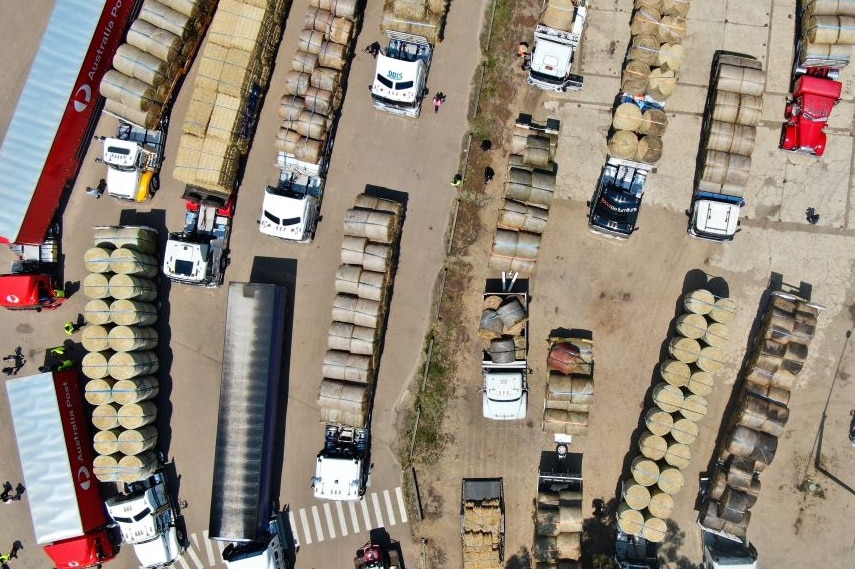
293	528
319	531
209	548
193	557
305	520
183	563
402	505
353	519
376	501
364	504
388	499
341	523
328	516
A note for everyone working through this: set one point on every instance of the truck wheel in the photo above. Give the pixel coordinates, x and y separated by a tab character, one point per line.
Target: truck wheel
155	182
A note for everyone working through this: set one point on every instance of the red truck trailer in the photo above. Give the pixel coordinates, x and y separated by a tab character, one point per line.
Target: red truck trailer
56	114
66	505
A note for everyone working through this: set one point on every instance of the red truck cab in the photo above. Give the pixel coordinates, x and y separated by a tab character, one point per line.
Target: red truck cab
814	96
24	291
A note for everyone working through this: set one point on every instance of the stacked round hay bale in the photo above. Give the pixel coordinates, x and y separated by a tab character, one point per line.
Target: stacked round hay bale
363	284
314	91
679	403
120	343
424	18
159	48
637	129
529	191
777	357
827	33
734	104
233	72
569	386
558	521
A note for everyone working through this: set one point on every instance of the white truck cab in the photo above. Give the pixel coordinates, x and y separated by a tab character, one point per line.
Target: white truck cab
146	517
505	396
400	80
715	216
723	553
267	552
133	159
291	208
341	469
556	51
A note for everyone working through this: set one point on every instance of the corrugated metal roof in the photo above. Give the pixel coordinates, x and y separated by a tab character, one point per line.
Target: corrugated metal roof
43	101
44	458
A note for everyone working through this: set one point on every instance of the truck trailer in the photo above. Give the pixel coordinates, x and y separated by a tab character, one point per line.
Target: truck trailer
146	516
66	504
482	523
35	279
57	113
504	362
243	512
557	39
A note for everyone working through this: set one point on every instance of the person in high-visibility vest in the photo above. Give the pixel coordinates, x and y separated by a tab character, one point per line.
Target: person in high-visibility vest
66	364
70	328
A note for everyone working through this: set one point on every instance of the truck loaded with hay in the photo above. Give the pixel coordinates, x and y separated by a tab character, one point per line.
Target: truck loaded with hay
140	88
413	27
363	284
309	109
65	500
558	508
504	364
482	523
234	69
557	40
734	103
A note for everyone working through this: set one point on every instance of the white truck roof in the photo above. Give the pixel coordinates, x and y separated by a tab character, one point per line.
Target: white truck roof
45	460
158	552
185	261
391	71
337	478
505	396
715	217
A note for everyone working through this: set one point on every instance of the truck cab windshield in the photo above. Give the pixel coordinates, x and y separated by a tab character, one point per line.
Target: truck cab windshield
287	222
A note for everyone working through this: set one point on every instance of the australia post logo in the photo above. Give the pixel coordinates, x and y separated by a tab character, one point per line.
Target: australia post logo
100	52
82	97
84	478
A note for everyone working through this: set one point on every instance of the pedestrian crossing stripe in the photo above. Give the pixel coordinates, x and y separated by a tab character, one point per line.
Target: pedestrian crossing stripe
309	525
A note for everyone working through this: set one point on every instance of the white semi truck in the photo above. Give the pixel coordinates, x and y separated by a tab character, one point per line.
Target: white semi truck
721	552
133	158
557	39
147	517
400	81
343	466
504	364
243	512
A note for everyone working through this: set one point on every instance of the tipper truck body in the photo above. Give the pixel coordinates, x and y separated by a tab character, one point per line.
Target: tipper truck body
504	363
557	39
242	505
482	523
66	505
717	200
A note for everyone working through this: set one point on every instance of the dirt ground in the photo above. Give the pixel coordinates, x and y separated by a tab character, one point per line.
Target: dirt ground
628	296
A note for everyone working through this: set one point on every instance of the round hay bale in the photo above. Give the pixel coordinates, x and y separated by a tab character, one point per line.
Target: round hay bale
99	391
652	446
537	157
698	301
348	367
635	495
675	372
137	467
97	260
672	56
571	423
96	286
149	38
106	442
297	82
684	431
634	77
671	480
667	397
325	78
645	21
678	455
830	30
627	117
376	226
128	91
106	416
630	521
132	338
672	29
694	407
653	4
290	107
644	471
692	326
711	359
686	350
310	42
135	441
138	64
661	84
675	8
136	415
569	545
701	383
303	62
742	80
724	311
129	287
164	17
95	338
320	101
661	504
522	217
332	55
649	149
341	31
136	389
94	364
502	350
623	144
733	107
106	467
717	334
129	262
658	422
644	48
133	313
96	312
654	529
125	365
653	122
732	138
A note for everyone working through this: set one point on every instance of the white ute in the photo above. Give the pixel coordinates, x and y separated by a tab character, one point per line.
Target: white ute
146	517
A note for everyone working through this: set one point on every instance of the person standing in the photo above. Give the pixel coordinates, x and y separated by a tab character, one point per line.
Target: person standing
70	328
489	173
457	181
438	100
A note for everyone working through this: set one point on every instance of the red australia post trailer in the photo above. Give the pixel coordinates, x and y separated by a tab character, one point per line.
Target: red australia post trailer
56	114
66	505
